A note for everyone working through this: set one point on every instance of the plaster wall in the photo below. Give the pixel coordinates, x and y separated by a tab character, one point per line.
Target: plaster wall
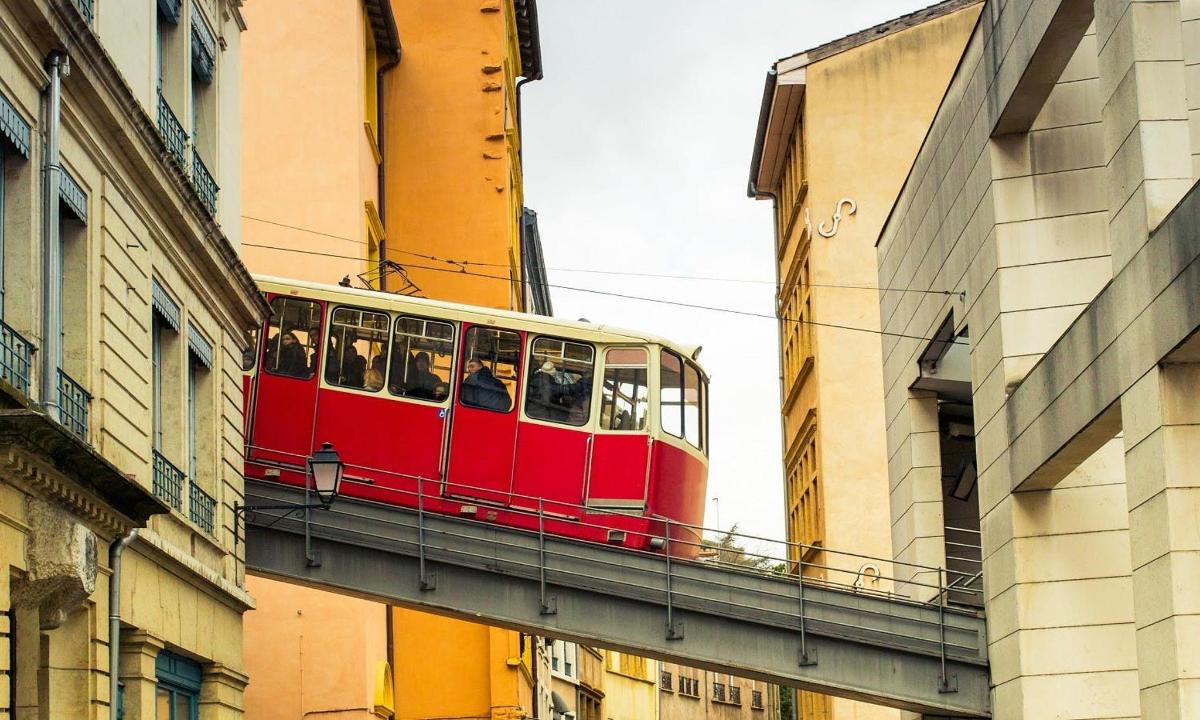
629	697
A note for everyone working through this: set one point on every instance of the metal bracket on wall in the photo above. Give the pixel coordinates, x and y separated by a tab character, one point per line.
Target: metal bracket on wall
549	605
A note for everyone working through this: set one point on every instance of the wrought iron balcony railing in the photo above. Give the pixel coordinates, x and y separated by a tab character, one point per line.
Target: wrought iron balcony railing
86	9
200	507
16	358
735	695
73	405
203	181
168	481
172	132
718	692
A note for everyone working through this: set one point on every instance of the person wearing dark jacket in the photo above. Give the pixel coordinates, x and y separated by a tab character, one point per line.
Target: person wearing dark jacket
482	389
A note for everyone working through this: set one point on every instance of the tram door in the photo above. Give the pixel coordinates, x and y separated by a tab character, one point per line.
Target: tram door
286	396
619	470
555	439
483	433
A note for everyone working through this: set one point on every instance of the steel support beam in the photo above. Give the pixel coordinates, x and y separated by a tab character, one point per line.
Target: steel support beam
866	647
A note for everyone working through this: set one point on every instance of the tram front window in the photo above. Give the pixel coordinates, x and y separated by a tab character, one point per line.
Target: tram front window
422	353
560	381
680	398
358	347
626	390
490	373
292	337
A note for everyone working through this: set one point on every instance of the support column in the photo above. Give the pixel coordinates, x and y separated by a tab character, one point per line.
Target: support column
1161	414
139	651
918	527
221	689
1145	117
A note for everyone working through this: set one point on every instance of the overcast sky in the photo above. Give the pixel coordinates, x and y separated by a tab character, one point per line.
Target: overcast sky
637	152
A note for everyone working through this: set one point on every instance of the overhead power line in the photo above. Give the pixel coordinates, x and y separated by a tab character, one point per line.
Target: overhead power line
624	296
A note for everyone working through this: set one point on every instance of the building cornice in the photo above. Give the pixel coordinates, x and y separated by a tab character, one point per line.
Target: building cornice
214	584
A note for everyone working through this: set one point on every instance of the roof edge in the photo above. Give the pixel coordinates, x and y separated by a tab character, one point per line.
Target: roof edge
760	136
529	39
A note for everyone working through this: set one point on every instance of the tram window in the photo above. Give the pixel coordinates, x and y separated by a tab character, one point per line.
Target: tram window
250	354
489	376
692	425
670	383
422	353
626	390
560	381
292	337
356	356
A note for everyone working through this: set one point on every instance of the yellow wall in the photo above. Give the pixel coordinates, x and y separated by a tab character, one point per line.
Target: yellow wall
865	114
451	169
630	687
307	165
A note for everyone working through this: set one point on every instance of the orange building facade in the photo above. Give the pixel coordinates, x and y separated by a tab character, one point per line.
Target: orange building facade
362	163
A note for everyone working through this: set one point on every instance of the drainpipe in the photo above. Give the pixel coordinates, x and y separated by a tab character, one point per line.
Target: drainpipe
114	619
58	65
521	223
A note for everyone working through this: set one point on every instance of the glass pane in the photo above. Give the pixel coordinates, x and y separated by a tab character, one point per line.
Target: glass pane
183	707
162	704
489	379
560	381
292	337
422	355
669	399
691	404
251	351
358	345
626	390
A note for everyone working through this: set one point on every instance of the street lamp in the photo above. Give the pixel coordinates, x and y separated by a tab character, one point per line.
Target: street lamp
323	477
325	474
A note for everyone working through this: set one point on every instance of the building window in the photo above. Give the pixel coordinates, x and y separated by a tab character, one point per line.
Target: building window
177	692
204	110
735	694
560	381
718	692
626	391
632	665
370	80
664	681
756	700
201	431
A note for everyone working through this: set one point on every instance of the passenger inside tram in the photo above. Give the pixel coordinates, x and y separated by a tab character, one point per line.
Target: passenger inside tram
560	384
354	336
422	351
482	389
292	337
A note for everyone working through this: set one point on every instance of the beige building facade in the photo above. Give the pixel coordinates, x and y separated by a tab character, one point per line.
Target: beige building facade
686	693
118	234
839	128
1054	200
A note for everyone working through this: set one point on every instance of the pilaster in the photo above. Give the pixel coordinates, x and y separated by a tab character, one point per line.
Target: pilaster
139	651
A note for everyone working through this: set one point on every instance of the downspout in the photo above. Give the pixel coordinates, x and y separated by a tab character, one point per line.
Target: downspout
521	225
380	176
58	65
114	619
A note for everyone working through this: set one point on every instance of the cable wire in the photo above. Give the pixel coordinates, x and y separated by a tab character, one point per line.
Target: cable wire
624	296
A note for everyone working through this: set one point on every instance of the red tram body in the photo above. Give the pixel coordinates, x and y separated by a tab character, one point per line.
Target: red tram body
484	413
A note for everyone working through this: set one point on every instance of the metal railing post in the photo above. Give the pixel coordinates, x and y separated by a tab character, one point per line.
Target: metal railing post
426	581
945	685
549	605
674	630
807	658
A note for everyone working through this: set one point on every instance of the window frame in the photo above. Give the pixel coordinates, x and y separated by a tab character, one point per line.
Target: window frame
451	382
325	383
317	345
530	370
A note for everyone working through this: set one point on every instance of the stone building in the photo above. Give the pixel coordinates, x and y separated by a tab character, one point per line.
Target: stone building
686	693
123	311
1053	210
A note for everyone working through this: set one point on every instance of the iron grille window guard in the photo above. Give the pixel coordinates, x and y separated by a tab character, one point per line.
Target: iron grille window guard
73	404
735	695
168	481
719	692
203	181
664	680
16	358
756	700
86	9
200	507
172	132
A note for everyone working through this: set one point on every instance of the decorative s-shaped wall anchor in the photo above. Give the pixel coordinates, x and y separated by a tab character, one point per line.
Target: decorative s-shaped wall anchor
837	217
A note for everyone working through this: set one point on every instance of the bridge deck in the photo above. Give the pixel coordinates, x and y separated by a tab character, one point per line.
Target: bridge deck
872	647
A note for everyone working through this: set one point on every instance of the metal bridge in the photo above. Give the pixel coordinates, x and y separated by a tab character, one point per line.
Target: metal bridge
839	638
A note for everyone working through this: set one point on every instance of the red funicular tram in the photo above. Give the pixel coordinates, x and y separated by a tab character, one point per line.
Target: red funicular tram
480	412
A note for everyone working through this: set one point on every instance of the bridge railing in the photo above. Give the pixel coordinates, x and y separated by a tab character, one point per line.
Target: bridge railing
957	582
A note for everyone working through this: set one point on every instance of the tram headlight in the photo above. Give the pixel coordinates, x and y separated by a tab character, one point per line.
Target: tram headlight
325	473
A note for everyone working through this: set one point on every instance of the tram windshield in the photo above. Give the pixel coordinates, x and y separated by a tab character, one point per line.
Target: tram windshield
680	395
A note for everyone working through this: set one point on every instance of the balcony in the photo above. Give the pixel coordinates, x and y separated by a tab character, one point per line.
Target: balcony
200	507
16	358
203	181
86	10
73	404
172	132
168	481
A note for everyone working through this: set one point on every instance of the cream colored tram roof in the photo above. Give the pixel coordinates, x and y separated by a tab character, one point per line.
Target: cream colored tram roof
582	330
